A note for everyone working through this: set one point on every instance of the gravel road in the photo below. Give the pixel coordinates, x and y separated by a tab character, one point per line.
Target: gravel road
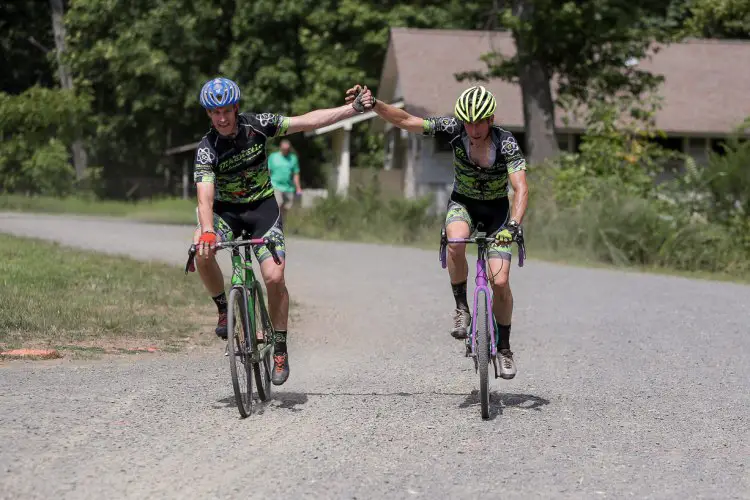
629	385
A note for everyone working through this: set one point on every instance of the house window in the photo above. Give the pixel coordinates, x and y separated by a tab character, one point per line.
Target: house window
717	146
576	143
672	143
696	143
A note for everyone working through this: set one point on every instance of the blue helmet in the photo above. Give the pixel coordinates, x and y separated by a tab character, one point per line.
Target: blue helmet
219	92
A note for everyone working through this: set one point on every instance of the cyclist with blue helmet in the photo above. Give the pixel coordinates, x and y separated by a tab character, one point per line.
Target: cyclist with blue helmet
485	158
235	193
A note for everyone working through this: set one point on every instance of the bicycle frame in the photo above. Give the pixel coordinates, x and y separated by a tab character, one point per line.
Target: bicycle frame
482	283
243	276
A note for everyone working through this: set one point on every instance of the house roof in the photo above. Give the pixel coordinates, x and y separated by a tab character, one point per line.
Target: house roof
705	89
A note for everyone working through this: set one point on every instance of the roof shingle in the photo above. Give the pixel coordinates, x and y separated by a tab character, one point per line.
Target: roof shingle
706	88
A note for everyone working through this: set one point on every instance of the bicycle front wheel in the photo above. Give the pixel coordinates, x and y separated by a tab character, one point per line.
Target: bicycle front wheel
238	351
263	341
483	353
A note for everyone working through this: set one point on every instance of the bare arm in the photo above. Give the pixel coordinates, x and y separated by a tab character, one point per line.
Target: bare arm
319	118
391	114
296	183
206	205
399	117
520	195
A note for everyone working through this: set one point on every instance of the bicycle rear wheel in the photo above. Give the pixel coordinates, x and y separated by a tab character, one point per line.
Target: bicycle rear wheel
237	348
483	354
263	330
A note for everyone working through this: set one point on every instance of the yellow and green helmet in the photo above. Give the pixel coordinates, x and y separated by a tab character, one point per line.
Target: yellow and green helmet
474	104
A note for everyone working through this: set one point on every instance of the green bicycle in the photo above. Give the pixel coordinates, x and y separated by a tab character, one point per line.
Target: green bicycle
250	334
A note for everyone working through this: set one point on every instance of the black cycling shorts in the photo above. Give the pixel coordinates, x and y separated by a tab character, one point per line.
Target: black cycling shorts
258	218
492	214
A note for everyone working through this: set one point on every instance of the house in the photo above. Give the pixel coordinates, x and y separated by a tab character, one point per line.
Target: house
705	97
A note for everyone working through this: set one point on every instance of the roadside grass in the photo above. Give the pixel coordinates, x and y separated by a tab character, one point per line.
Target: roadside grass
64	298
366	217
165	210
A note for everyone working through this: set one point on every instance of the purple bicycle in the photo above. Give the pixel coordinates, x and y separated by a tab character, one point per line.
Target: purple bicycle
481	345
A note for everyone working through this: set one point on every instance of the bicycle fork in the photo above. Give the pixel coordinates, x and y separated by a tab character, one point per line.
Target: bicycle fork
482	292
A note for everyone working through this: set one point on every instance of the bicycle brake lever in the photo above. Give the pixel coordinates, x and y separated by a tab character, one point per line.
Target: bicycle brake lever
521	249
272	248
190	265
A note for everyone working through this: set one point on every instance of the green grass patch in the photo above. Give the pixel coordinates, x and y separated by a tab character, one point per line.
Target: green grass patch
165	210
54	296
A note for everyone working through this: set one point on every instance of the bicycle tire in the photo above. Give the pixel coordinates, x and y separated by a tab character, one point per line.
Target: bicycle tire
483	354
263	368
237	348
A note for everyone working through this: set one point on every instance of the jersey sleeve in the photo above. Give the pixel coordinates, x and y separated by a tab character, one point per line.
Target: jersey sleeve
444	128
205	162
270	124
512	154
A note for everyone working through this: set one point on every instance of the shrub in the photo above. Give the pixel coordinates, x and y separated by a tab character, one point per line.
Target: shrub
36	128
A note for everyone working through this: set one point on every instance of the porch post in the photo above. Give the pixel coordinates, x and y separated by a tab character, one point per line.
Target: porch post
342	181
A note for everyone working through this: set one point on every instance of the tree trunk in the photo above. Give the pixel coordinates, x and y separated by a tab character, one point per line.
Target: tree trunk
66	80
538	107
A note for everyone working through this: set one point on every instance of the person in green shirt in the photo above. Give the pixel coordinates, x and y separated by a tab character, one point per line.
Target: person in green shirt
284	167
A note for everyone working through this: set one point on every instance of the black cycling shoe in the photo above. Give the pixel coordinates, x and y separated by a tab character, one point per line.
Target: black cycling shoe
221	327
461	323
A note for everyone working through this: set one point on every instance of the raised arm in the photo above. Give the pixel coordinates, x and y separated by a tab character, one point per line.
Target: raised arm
391	114
399	117
319	118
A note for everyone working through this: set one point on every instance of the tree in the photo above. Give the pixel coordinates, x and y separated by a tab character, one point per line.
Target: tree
320	49
718	18
144	62
66	80
37	126
585	45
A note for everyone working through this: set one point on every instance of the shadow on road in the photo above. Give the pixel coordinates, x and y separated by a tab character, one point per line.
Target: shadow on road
293	401
281	400
499	401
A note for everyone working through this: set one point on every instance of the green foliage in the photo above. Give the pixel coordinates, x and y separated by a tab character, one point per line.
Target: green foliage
729	177
605	204
36	127
718	18
318	50
618	152
145	62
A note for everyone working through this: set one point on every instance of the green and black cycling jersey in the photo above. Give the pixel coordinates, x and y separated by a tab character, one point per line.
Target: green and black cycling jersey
238	166
470	179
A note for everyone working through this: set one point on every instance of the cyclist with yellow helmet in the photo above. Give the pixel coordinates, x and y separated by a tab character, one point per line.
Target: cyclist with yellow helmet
485	158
